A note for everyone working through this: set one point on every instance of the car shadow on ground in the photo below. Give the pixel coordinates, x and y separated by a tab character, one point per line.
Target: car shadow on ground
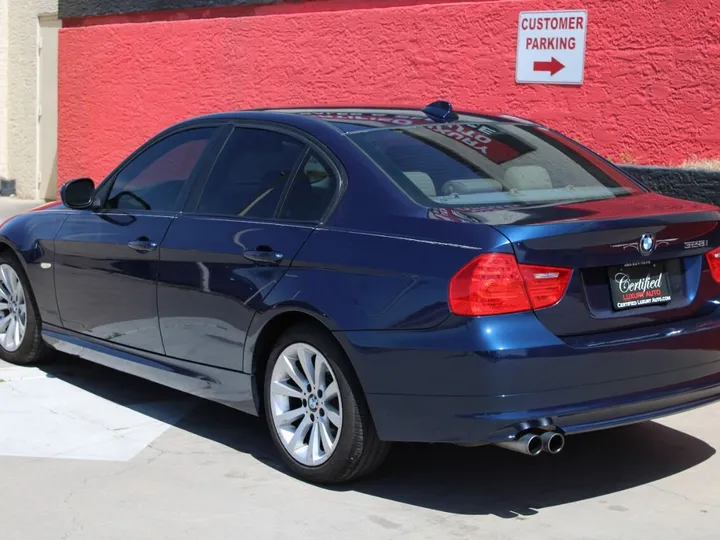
473	481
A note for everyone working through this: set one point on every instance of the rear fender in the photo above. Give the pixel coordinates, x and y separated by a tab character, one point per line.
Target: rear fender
357	280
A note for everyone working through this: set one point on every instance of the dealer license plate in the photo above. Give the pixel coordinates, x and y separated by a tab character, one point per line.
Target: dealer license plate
639	284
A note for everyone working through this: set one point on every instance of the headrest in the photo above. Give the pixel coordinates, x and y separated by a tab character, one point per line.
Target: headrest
527	177
423	182
471	185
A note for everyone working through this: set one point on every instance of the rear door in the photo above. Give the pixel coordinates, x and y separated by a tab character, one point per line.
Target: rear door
219	261
107	260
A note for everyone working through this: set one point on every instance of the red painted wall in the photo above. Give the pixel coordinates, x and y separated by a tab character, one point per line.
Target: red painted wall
651	92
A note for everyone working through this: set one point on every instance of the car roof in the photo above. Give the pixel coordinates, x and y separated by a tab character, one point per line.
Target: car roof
352	119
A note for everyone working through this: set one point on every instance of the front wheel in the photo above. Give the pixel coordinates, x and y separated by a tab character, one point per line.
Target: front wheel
20	340
316	411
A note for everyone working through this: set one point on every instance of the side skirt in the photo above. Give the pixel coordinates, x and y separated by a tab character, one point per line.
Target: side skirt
230	388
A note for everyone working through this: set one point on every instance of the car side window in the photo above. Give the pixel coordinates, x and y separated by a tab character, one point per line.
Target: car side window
250	175
312	191
155	178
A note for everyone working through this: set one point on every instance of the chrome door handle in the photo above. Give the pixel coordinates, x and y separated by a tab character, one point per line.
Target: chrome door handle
264	257
143	245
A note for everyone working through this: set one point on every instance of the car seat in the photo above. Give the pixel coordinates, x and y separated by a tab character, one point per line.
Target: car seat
527	177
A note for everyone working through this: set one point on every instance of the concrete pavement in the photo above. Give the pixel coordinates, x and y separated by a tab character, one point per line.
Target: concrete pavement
87	453
9	206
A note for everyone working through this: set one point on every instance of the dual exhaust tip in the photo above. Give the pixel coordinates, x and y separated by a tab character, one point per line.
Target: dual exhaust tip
532	443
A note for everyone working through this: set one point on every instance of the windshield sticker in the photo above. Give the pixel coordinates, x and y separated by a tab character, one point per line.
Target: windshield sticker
374	118
496	145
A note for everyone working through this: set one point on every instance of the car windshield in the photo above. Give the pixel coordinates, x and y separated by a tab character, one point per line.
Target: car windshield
461	164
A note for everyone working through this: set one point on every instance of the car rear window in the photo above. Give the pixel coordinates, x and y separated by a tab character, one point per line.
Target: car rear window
475	164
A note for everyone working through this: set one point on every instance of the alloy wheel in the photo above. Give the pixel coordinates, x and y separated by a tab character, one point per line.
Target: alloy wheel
305	403
13	309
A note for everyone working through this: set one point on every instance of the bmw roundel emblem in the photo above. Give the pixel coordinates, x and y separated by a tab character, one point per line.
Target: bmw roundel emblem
647	244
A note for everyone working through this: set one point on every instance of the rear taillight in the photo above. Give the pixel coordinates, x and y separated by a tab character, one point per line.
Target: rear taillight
494	283
545	285
713	259
488	285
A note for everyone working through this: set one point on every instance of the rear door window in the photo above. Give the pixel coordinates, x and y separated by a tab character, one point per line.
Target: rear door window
446	165
251	174
312	191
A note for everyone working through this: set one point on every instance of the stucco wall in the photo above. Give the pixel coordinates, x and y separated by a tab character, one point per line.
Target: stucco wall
650	91
693	184
22	91
3	87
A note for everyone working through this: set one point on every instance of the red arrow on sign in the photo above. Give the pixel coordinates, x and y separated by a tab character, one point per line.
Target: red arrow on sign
553	66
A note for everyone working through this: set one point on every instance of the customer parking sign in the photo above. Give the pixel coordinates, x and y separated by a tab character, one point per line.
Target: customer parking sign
551	47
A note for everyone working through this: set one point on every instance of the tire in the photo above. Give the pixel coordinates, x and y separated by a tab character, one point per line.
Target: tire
17	303
356	450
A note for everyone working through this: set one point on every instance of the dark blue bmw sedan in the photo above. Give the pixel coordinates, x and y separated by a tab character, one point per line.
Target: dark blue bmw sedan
362	276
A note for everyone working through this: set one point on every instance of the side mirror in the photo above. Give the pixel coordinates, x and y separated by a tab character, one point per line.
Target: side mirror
78	193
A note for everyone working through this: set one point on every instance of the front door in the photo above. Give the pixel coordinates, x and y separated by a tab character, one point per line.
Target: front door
221	259
107	260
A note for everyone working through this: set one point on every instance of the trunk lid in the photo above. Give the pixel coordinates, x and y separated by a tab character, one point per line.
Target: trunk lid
601	242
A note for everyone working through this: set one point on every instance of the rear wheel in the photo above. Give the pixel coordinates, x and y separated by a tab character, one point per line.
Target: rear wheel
20	340
316	411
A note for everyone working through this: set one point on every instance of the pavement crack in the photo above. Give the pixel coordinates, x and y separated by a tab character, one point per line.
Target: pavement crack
115	431
165	451
684	497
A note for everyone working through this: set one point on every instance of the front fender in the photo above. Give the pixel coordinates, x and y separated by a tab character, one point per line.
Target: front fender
31	238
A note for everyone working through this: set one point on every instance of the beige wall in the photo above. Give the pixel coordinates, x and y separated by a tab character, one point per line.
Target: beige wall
18	99
3	87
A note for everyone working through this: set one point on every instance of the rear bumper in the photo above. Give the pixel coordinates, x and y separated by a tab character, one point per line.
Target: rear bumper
481	420
423	394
